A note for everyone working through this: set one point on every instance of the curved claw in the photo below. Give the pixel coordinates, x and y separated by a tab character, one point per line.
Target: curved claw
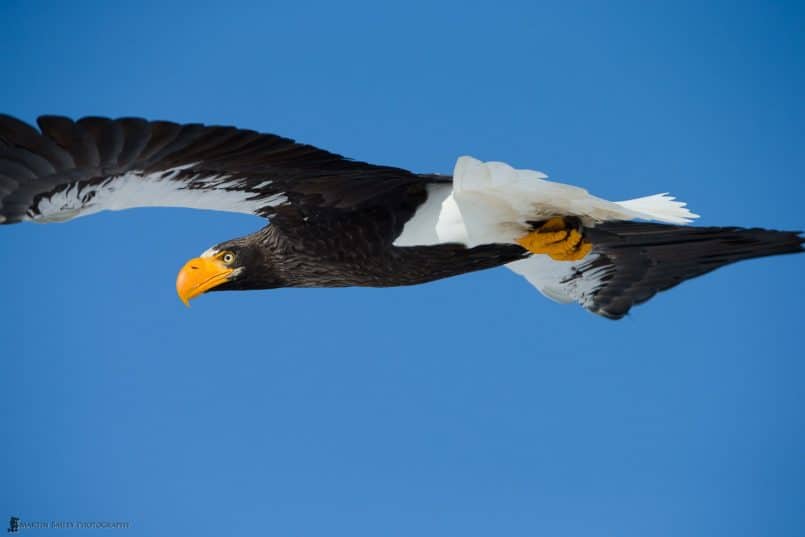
557	239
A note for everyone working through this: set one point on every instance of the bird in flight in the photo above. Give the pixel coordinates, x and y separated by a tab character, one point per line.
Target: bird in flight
336	222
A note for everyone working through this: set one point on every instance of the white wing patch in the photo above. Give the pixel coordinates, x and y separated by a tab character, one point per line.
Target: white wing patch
437	221
162	189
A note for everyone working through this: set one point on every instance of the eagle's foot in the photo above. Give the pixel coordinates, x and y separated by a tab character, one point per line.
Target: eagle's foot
557	238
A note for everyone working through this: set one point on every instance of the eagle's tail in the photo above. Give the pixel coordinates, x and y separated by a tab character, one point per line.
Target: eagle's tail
632	261
661	208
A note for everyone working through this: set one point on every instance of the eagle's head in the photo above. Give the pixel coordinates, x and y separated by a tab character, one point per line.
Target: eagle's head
234	265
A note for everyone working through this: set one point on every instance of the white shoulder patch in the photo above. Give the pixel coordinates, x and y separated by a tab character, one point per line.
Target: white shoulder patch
436	221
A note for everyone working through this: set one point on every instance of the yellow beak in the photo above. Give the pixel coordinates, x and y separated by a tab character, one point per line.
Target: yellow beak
200	275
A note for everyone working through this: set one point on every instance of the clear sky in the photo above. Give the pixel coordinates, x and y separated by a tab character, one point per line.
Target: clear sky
469	406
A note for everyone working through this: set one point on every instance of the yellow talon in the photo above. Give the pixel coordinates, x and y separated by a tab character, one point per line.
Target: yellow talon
556	223
557	240
575	255
552	237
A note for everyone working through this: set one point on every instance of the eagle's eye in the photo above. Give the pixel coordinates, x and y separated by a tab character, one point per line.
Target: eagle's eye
228	257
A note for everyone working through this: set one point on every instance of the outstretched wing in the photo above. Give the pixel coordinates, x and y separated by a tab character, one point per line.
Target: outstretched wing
75	168
633	261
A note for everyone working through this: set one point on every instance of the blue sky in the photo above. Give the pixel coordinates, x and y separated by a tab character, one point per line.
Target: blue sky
469	406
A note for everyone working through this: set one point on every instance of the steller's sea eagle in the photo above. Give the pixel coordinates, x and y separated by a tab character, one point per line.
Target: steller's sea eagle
336	222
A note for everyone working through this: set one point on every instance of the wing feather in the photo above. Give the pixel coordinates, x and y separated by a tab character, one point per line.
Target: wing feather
72	138
26	137
136	135
72	168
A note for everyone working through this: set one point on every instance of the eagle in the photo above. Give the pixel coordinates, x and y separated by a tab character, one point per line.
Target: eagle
337	222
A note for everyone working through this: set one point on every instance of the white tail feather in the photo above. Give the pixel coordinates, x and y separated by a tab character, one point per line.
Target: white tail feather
660	207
